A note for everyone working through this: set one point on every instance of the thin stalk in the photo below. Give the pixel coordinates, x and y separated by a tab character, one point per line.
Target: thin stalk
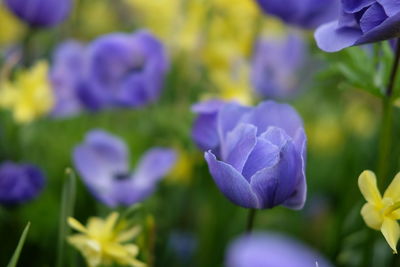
250	220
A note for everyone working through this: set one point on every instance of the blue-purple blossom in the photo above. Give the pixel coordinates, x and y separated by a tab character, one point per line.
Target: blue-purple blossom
360	22
115	70
272	250
302	13
40	13
19	183
102	161
260	162
276	65
204	131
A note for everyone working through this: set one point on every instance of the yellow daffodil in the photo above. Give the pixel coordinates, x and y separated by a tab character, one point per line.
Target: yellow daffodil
103	242
381	213
30	95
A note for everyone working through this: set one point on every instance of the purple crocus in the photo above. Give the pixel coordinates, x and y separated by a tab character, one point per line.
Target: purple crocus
102	161
40	13
115	70
276	65
272	250
19	183
302	13
204	131
261	159
360	22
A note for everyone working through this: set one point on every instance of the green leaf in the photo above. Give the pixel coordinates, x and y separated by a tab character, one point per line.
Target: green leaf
67	210
14	260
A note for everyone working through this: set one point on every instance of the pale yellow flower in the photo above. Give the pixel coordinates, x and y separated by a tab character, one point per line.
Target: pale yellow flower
380	213
12	29
103	242
30	96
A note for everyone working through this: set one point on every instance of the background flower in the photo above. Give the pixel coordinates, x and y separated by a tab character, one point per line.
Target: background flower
40	13
102	162
19	183
360	22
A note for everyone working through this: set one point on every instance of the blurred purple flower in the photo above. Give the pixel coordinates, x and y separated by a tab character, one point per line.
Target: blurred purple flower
19	183
102	162
301	13
276	64
116	70
261	156
360	22
204	131
271	250
40	13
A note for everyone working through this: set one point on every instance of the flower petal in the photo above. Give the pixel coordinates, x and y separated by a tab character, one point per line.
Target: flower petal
204	131
352	6
369	189
372	216
238	146
231	183
332	38
228	118
391	231
393	190
372	17
392	7
75	224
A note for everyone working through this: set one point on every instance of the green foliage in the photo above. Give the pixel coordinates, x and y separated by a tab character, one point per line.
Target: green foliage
14	260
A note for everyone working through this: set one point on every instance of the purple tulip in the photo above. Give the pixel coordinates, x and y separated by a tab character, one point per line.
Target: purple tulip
204	132
301	13
116	70
360	22
40	13
19	183
272	250
261	158
276	65
102	162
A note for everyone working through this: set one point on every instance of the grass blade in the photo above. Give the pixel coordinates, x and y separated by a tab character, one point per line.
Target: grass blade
66	210
14	260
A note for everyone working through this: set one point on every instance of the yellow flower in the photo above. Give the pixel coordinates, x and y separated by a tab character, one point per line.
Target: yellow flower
11	28
381	213
102	242
30	95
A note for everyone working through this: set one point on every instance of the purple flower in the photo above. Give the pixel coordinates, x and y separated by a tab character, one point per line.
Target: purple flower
276	64
261	157
301	13
102	162
271	250
116	70
204	132
360	22
40	13
19	183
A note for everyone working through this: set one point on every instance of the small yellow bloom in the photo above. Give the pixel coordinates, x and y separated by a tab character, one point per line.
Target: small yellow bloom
381	213
30	95
101	242
12	30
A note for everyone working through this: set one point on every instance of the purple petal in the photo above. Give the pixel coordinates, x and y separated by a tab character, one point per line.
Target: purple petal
276	136
372	17
238	146
392	7
270	113
352	6
204	131
231	183
272	250
274	185
209	107
330	38
155	164
228	117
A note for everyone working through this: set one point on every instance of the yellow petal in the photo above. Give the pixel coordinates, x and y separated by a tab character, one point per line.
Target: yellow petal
129	234
372	216
76	225
368	187
393	190
110	222
391	231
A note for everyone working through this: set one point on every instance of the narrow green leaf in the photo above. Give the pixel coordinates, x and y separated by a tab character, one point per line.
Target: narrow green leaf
66	210
14	260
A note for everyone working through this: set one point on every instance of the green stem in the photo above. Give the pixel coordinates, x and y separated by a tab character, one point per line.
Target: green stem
250	220
385	142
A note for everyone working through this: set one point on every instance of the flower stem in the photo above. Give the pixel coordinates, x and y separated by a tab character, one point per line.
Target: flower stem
387	121
250	220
